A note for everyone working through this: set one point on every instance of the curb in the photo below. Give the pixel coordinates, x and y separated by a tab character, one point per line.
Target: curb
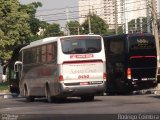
8	95
5	95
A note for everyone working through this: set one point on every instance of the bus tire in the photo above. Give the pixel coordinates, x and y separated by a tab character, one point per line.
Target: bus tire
87	98
48	95
26	94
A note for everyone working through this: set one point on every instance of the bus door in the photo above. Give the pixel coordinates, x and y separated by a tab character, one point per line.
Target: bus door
85	63
142	59
115	63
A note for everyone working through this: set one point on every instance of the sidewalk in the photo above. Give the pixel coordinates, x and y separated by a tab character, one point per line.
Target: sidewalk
6	94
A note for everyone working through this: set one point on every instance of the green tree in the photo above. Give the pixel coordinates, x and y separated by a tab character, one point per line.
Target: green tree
33	22
98	25
120	30
52	30
15	25
131	25
74	27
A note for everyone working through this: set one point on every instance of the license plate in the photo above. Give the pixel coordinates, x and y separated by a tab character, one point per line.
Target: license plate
84	83
144	79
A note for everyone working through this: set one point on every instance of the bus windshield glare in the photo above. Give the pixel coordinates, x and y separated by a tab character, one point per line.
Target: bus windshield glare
81	45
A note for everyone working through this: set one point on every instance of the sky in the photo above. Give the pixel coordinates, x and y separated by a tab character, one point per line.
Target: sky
51	10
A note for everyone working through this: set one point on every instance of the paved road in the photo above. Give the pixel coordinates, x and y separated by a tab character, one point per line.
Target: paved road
74	108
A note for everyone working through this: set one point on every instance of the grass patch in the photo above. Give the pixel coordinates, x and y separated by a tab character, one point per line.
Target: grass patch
3	86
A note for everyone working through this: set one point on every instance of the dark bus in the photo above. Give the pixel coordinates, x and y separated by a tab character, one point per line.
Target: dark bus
8	70
131	62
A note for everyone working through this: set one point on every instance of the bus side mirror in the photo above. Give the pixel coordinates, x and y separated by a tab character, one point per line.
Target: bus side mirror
17	66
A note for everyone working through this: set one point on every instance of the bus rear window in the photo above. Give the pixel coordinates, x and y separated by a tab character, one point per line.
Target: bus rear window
81	45
139	42
142	45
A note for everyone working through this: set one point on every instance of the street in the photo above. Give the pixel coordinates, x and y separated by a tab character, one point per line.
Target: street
73	108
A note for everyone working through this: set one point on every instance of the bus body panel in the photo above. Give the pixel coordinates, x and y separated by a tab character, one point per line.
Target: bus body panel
35	78
132	66
83	71
142	59
60	75
77	75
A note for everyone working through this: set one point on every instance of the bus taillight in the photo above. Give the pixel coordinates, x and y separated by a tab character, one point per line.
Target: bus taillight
61	78
104	76
129	73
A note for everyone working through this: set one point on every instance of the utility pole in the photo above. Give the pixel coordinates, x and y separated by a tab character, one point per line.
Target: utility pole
89	22
155	31
148	17
135	25
116	25
125	16
141	25
154	24
67	14
78	30
89	19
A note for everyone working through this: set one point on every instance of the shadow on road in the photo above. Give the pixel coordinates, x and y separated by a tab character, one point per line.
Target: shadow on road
155	96
69	117
63	101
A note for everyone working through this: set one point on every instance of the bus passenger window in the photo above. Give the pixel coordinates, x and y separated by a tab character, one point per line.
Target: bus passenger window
54	52
43	53
33	55
28	57
39	54
49	52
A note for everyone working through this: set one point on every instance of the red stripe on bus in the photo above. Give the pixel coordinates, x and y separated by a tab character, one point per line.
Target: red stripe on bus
150	56
84	61
135	57
81	56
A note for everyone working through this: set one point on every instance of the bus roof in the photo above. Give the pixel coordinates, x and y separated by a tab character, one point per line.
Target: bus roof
128	35
41	42
49	40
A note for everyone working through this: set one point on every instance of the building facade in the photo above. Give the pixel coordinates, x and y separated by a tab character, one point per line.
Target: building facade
116	11
103	8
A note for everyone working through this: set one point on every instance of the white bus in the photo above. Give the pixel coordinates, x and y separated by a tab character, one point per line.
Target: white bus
61	67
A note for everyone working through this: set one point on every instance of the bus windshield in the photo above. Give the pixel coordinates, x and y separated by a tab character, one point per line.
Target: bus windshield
81	44
142	45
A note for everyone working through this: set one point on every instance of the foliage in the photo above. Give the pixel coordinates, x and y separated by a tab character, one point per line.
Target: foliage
98	25
120	30
158	24
15	25
3	86
52	30
131	25
111	32
74	27
33	22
